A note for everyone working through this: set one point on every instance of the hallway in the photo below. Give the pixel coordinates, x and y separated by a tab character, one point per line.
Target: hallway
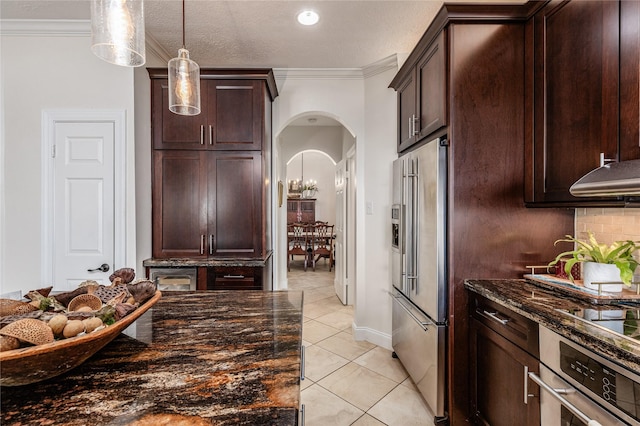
348	382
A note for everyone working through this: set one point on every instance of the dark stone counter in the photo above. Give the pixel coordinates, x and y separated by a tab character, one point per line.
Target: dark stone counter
221	358
540	304
250	262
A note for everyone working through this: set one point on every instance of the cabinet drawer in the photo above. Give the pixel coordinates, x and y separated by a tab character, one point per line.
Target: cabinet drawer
509	324
234	278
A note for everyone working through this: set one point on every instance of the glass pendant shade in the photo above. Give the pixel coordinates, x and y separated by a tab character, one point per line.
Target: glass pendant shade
184	84
117	31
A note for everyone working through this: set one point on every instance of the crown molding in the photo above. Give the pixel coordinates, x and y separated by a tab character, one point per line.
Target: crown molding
45	27
388	63
152	46
383	65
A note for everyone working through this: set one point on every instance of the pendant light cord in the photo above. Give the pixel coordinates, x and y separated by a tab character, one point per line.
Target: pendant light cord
183	23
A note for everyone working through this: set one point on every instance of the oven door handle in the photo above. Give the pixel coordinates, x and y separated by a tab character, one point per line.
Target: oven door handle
556	394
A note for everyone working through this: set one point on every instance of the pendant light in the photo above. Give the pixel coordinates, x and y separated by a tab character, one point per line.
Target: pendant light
117	31
184	81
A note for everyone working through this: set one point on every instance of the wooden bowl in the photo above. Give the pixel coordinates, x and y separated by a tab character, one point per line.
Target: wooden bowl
36	363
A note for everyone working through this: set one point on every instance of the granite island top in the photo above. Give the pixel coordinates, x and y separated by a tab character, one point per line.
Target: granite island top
542	305
198	358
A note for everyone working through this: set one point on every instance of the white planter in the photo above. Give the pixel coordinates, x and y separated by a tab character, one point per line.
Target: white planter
593	272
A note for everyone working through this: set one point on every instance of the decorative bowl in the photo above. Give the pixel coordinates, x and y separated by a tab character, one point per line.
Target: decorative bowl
36	363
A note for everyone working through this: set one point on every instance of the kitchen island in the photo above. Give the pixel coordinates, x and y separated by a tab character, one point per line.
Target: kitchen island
222	358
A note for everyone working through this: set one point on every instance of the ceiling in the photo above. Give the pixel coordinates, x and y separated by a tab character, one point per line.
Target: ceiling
265	33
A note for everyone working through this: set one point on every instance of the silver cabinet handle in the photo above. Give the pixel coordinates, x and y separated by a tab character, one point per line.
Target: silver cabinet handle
569	406
494	316
411	126
234	277
604	161
210	134
527	395
201	134
202	244
302	415
211	244
414	122
302	362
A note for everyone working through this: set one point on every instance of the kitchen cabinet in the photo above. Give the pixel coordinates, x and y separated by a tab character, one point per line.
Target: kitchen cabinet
504	348
210	172
583	79
207	204
488	224
422	96
234	278
301	210
231	117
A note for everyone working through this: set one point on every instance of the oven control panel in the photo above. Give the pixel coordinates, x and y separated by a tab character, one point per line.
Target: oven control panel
615	388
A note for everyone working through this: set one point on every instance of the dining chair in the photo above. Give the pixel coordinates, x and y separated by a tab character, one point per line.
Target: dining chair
323	244
298	243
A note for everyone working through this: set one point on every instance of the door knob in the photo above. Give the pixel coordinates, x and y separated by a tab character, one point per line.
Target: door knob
102	268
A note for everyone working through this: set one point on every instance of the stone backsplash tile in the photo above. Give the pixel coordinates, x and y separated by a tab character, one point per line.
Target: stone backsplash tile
610	225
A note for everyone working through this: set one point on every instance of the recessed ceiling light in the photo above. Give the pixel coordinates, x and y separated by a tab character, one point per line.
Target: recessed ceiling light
308	17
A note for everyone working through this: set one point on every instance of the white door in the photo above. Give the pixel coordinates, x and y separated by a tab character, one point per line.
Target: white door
82	201
340	282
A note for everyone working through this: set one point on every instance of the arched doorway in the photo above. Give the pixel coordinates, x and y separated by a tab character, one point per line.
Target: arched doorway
310	144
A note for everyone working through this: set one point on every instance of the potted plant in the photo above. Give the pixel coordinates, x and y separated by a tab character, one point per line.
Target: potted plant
309	189
616	260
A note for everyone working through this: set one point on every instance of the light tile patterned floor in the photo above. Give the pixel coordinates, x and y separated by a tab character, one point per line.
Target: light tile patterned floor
348	382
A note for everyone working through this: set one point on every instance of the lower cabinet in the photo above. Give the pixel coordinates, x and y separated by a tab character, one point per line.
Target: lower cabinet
504	347
234	278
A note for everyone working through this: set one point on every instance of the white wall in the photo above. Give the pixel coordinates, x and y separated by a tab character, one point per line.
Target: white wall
43	71
363	103
322	169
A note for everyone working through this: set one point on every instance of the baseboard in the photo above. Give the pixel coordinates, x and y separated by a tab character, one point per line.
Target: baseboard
372	336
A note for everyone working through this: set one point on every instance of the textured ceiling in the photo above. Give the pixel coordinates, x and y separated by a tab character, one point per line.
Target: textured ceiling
350	34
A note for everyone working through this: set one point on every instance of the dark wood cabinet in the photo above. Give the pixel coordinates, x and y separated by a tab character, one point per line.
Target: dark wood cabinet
583	80
234	278
231	117
488	225
301	210
209	195
207	204
422	96
504	347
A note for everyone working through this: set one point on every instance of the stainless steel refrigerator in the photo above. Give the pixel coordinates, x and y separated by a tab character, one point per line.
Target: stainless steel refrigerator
419	272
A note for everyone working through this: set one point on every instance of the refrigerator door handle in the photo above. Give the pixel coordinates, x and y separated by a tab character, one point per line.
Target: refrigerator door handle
400	301
415	226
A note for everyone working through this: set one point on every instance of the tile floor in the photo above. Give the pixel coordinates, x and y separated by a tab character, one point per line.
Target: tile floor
348	382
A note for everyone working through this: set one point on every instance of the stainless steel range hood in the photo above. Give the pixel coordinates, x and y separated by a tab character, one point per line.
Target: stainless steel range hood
610	180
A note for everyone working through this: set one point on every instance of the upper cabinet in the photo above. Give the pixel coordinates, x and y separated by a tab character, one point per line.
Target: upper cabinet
422	96
583	102
231	118
210	195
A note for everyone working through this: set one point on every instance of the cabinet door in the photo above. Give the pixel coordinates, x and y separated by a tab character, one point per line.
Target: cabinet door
407	117
498	380
629	80
235	204
431	74
576	86
179	204
173	131
239	117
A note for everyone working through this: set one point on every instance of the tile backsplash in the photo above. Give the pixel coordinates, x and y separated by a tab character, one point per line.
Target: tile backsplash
609	225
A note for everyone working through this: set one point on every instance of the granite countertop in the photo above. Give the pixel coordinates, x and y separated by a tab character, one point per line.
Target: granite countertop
198	358
540	304
255	262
